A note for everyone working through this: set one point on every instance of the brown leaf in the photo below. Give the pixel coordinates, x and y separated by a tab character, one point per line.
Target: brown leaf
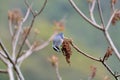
15	16
93	72
53	60
59	25
66	49
108	53
114	1
116	17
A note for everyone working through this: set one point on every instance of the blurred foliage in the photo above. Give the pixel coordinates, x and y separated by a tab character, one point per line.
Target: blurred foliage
89	39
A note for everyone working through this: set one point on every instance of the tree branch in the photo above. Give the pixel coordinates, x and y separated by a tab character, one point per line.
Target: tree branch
118	75
4	60
95	59
83	53
28	6
91	9
32	49
100	13
19	73
10	71
45	43
15	42
112	44
3	71
57	73
41	8
24	56
31	25
3	54
110	20
85	17
5	51
11	62
10	28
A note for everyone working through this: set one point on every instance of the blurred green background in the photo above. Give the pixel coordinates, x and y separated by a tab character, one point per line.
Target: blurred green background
89	39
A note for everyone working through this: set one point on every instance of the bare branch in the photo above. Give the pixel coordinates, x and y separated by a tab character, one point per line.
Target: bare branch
19	51
45	43
27	14
110	20
58	73
85	54
27	4
112	6
11	62
19	73
15	42
10	71
29	52
91	9
10	28
5	61
118	75
95	59
3	71
100	13
5	51
112	44
3	54
28	43
109	69
41	8
85	17
31	25
24	56
27	40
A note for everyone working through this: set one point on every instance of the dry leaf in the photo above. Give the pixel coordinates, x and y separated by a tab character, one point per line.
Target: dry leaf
108	53
66	49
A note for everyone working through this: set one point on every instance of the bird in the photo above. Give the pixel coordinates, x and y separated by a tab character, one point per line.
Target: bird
57	41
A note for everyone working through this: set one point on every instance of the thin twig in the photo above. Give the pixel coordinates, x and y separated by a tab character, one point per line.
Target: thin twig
10	28
10	59
31	25
118	75
4	60
19	73
29	52
15	42
108	68
112	6
58	73
100	13
45	43
19	51
105	31
3	71
28	6
85	54
110	20
95	59
112	44
91	9
84	16
41	8
10	71
24	56
5	51
3	54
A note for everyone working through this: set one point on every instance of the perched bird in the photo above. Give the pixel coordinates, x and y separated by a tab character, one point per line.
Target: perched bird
57	41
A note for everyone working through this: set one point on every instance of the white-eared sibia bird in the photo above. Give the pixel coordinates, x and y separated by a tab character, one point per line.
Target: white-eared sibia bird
57	41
